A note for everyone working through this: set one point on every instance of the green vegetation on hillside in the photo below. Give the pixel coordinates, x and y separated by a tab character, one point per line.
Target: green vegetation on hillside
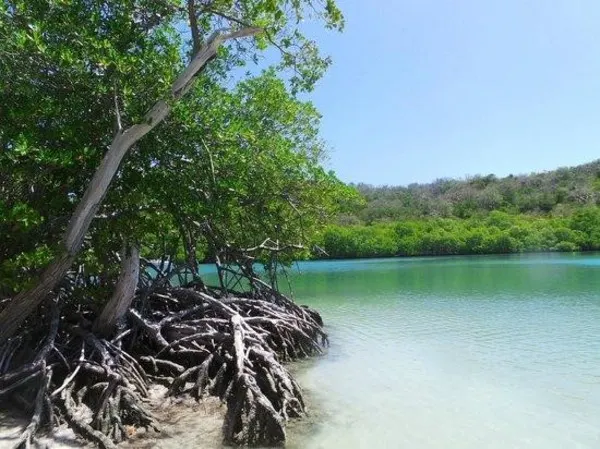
553	211
558	193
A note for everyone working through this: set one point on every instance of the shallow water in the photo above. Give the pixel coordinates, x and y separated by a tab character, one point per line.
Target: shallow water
466	352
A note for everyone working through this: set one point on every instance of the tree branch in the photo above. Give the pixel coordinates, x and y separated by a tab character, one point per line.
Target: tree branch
191	4
26	302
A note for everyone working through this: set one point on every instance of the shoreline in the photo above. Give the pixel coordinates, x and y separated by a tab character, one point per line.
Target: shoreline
212	385
235	348
184	422
454	256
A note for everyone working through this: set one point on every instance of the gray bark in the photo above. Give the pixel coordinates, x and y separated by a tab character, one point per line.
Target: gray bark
114	311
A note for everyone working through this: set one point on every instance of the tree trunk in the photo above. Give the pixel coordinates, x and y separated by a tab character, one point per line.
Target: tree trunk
189	242
124	292
192	259
26	302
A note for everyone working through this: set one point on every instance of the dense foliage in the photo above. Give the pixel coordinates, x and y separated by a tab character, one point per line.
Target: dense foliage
128	130
558	193
248	165
496	233
243	156
552	211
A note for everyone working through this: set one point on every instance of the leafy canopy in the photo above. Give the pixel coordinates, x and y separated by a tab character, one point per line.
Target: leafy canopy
70	70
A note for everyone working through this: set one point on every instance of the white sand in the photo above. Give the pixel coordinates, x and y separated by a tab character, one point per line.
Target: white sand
184	423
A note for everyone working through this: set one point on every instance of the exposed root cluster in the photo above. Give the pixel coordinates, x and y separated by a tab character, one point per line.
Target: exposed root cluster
193	340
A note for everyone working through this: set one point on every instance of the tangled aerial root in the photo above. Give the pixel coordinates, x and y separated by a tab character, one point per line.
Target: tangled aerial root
195	341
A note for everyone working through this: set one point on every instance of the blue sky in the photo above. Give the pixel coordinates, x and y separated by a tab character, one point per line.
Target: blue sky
423	89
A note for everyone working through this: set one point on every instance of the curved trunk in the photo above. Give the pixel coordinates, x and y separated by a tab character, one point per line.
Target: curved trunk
22	305
121	300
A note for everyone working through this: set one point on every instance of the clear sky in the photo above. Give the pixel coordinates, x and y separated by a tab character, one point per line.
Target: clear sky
423	89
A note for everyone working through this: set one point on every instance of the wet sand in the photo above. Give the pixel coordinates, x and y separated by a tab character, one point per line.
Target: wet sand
183	423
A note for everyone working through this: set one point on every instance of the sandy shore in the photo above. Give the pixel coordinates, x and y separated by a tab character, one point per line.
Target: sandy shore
183	422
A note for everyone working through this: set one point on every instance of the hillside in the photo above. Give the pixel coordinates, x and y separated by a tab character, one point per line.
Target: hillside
558	193
552	211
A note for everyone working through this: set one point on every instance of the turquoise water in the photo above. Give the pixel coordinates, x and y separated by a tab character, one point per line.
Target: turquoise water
465	352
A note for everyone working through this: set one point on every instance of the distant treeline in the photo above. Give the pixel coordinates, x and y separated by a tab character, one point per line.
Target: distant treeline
553	211
557	193
498	233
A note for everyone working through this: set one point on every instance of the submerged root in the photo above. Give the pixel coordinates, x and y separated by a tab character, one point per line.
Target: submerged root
195	342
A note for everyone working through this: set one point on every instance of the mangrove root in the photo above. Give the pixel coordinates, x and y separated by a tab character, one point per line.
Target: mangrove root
196	341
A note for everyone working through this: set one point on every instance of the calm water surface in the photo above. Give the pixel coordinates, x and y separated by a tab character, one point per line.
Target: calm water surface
473	352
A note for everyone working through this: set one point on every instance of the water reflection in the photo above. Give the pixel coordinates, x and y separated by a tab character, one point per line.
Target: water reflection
459	352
